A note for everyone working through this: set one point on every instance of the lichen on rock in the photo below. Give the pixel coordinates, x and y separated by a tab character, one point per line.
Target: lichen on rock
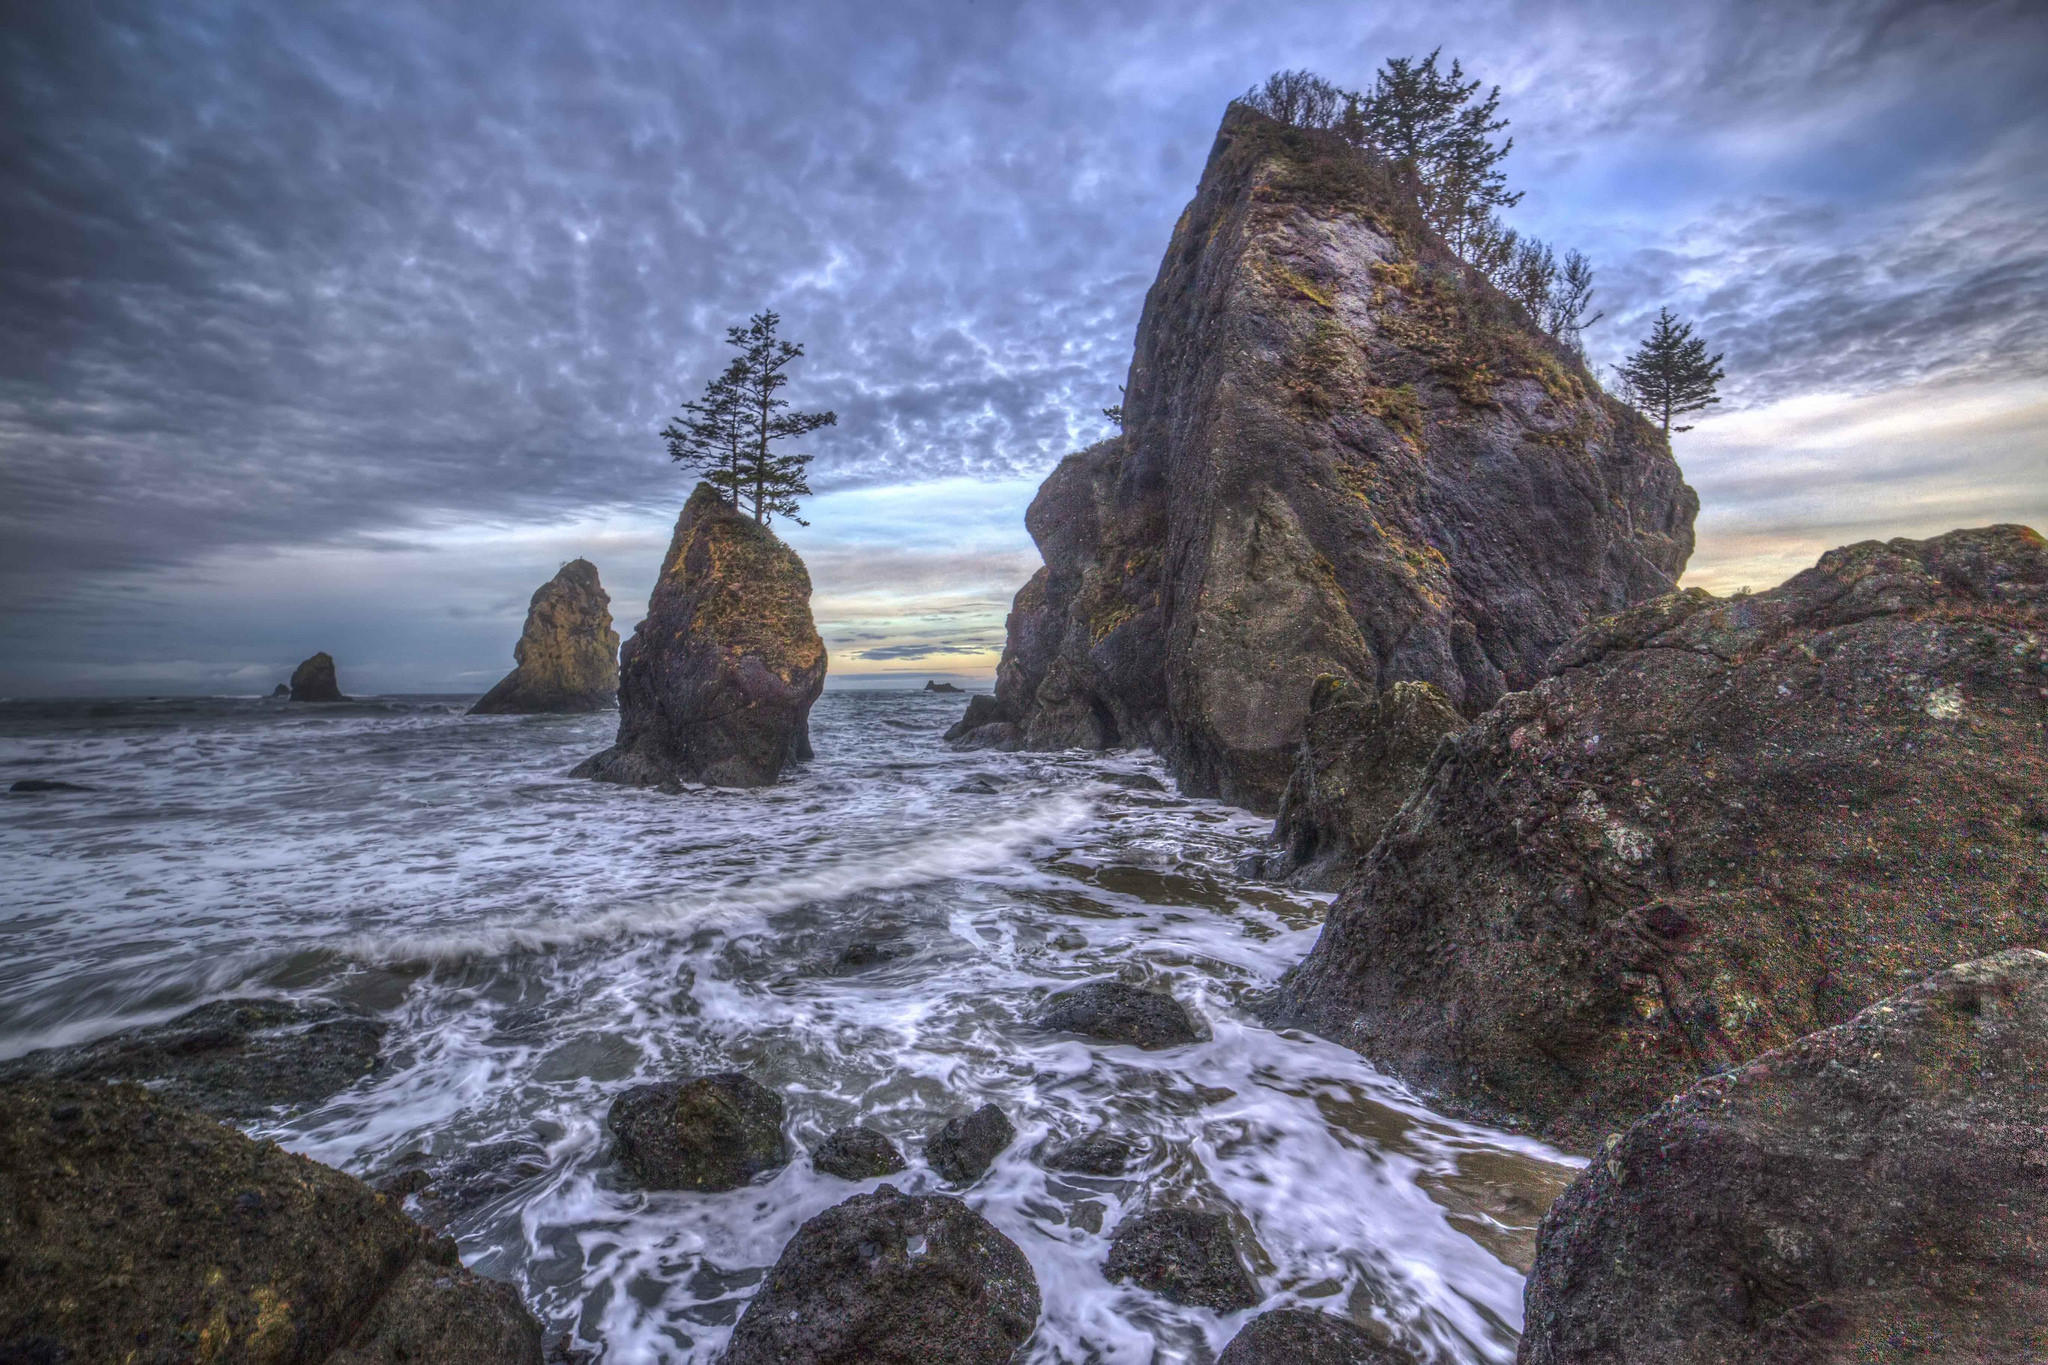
567	658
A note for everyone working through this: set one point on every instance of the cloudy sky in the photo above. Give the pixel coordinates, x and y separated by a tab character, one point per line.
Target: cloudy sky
342	326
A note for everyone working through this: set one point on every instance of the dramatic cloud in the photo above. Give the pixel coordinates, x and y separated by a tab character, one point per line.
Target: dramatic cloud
350	322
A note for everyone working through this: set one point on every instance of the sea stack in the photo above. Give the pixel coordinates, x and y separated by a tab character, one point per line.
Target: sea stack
1343	453
314	680
568	655
716	684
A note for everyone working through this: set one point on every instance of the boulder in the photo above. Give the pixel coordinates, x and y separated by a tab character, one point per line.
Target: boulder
964	1148
314	680
1342	452
707	1133
1098	1153
1363	753
857	1153
716	684
567	658
1301	1336
234	1059
1720	824
1874	1191
136	1230
1118	1012
891	1279
1186	1255
982	710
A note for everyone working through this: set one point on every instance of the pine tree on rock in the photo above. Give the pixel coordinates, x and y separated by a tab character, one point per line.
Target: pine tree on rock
772	478
713	437
1671	373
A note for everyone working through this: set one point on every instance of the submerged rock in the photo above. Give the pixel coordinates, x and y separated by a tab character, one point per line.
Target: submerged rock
1874	1191
964	1148
1362	755
892	1279
135	1230
29	785
1301	1336
1185	1255
567	658
236	1059
1343	452
716	684
314	680
708	1133
1722	823
1118	1012
1098	1153
857	1153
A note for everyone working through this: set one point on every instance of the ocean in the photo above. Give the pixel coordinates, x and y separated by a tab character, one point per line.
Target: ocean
538	945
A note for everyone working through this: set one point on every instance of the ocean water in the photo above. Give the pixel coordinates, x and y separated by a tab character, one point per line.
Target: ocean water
538	945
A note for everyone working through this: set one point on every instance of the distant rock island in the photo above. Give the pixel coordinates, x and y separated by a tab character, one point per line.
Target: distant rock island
717	683
568	654
314	680
1343	452
934	686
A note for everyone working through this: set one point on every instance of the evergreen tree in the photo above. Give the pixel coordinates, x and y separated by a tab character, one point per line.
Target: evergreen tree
1671	373
771	477
1565	316
1431	121
713	437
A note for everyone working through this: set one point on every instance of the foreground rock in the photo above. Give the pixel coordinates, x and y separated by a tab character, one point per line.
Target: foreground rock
709	1133
1342	453
1098	1153
857	1153
1185	1255
964	1148
716	684
314	680
135	1230
235	1059
1363	753
891	1278
1299	1336
567	658
1875	1191
1720	825
1118	1012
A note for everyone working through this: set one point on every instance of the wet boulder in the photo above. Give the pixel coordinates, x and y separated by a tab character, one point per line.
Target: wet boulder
314	680
235	1059
1874	1191
891	1279
964	1148
1301	1336
1187	1255
1101	1152
857	1153
708	1133
567	658
1118	1012
137	1230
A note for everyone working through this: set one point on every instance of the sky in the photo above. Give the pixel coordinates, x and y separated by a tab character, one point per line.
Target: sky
342	326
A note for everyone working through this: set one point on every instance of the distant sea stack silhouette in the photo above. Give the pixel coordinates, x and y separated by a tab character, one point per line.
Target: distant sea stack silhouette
568	654
314	680
716	684
1343	452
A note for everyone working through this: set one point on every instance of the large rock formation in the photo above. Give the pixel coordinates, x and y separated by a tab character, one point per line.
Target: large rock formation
1719	825
1875	1191
1343	452
716	684
133	1230
567	658
314	680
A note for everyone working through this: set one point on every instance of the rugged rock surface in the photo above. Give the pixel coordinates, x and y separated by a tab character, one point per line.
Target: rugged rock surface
1185	1255
892	1279
708	1133
1300	1336
857	1153
716	684
1342	452
314	680
1874	1191
1118	1012
567	658
135	1230
1720	825
236	1059
1098	1153
1362	755
964	1148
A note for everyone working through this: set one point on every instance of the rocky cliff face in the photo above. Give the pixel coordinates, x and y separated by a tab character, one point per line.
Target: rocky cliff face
1342	454
314	680
716	684
568	654
1720	824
